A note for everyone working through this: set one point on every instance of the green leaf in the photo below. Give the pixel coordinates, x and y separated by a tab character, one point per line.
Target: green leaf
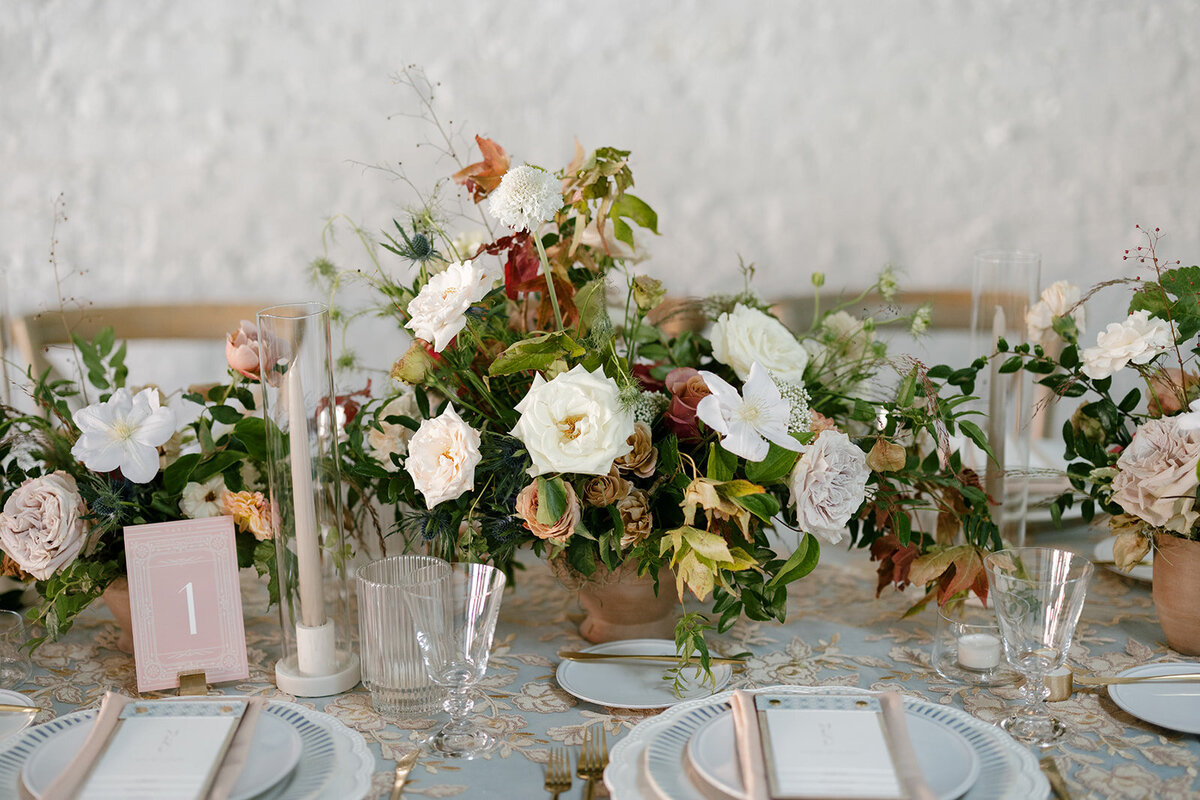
721	463
778	463
536	353
622	231
802	561
226	415
1011	364
552	500
908	389
636	209
763	506
252	433
218	463
581	556
176	476
976	435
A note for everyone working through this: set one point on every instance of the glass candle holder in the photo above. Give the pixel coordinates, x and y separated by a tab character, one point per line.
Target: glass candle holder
968	648
15	664
302	430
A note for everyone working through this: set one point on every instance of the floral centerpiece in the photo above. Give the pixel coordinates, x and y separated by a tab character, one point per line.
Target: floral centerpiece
554	398
71	480
1134	452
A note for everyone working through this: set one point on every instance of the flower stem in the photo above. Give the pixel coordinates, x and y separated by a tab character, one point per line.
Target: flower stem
537	240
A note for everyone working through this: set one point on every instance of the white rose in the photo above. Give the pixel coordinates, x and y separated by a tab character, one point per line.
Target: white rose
746	335
1057	300
394	437
828	484
1138	339
439	311
442	456
201	500
1156	479
574	423
847	336
42	527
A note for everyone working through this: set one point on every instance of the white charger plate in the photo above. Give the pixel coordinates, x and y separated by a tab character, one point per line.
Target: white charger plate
950	765
1171	705
1008	771
1142	571
623	683
276	751
332	765
14	722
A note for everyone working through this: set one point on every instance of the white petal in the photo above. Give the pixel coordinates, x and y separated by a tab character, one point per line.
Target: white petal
778	434
744	441
98	453
726	394
157	428
140	463
760	385
709	412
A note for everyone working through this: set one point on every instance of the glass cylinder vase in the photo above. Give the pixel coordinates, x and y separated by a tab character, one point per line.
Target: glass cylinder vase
299	406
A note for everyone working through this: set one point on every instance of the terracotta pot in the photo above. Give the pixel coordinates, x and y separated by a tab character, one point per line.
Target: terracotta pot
622	605
1177	592
116	597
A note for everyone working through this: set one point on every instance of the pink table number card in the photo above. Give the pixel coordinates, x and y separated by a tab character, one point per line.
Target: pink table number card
186	601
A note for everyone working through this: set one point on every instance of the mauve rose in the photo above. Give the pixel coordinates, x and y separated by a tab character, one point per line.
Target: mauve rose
647	381
42	527
241	349
687	389
1157	480
562	528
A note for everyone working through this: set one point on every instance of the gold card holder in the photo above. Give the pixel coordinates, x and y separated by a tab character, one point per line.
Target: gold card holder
193	683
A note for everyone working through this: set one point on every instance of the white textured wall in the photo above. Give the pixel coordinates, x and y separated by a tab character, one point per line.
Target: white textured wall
201	146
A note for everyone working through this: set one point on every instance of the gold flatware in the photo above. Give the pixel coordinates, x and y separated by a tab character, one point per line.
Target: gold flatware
403	767
558	772
18	709
1057	782
593	758
1062	684
571	655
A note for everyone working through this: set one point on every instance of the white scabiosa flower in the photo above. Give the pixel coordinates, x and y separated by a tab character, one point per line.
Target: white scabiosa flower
526	197
747	421
124	432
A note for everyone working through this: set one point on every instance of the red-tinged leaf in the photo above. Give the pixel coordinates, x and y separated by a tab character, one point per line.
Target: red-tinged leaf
895	561
484	176
980	587
566	303
961	576
521	270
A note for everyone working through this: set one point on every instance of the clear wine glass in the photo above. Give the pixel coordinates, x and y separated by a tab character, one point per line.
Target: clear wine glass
454	614
1038	594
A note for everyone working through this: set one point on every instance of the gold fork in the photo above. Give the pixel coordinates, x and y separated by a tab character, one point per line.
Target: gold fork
558	772
593	758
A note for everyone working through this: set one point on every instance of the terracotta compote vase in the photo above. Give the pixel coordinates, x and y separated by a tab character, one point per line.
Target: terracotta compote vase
116	597
620	604
1177	592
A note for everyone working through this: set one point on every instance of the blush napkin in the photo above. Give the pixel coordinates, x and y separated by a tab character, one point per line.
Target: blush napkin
67	785
754	765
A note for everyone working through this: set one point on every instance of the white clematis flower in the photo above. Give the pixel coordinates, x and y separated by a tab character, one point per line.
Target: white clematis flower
439	311
526	197
124	432
749	420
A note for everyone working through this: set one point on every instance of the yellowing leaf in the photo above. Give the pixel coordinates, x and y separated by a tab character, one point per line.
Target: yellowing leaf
931	565
709	545
697	576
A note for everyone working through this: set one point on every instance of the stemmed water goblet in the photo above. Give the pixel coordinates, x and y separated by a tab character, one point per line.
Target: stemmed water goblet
1038	594
454	608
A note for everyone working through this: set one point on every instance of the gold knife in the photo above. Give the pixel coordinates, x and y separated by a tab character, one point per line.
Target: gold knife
26	709
403	767
1057	782
571	655
1108	680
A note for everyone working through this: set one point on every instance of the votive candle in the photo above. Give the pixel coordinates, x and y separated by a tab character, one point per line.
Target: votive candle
979	651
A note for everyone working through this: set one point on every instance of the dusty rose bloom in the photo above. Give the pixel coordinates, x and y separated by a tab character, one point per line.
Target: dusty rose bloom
1166	388
643	458
1157	480
250	512
241	349
42	527
561	530
820	423
687	389
604	490
635	514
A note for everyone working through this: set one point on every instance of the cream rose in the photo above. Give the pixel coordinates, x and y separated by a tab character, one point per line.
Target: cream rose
746	335
1138	339
42	527
574	423
439	311
1156	479
828	484
1057	300
442	456
391	438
